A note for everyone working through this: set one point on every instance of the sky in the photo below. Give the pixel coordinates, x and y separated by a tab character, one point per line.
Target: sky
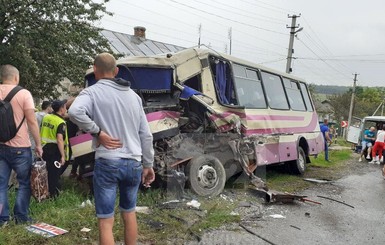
339	37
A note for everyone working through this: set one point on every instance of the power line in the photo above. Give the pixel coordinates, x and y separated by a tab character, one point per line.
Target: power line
272	20
233	29
272	61
274	6
249	48
333	68
188	24
357	55
267	8
350	60
225	18
324	46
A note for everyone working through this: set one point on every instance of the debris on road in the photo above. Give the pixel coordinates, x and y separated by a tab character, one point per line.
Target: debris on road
295	227
277	216
331	199
255	234
142	209
194	204
244	204
172	204
311	201
84	229
318	181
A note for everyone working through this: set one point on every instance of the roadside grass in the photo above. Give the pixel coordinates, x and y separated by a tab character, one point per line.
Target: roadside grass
175	223
342	142
318	168
161	226
335	157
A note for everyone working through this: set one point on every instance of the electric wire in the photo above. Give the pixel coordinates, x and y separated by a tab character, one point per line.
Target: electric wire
255	16
330	66
324	46
189	24
264	7
228	19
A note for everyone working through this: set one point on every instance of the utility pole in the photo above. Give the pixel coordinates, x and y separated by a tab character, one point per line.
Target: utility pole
291	41
230	37
352	101
200	33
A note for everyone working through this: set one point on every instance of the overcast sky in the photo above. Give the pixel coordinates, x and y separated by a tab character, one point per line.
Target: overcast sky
339	37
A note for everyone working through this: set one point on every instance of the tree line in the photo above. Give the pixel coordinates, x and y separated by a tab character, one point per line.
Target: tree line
366	101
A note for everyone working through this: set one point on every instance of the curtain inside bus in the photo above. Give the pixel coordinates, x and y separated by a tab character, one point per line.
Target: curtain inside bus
223	83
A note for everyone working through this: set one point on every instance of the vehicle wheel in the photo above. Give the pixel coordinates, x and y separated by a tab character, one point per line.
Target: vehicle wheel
298	166
206	175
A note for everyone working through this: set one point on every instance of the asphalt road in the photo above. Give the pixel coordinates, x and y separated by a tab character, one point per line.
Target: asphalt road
329	223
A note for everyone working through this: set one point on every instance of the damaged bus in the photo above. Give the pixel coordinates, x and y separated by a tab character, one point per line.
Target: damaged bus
213	115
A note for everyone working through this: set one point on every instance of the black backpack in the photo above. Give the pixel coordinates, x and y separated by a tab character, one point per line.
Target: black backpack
8	128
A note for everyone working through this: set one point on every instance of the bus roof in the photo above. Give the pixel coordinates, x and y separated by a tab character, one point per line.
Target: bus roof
178	58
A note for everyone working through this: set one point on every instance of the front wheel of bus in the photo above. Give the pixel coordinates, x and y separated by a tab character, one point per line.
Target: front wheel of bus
299	166
206	175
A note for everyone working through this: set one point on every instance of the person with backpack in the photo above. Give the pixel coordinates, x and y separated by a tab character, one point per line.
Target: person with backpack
17	115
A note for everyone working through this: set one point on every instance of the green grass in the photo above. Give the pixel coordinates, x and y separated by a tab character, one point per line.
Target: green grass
64	212
335	158
318	168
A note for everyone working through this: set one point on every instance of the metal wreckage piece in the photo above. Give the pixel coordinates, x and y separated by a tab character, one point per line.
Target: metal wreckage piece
188	146
242	149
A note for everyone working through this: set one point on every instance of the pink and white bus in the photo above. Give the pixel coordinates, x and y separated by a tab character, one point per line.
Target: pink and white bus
213	115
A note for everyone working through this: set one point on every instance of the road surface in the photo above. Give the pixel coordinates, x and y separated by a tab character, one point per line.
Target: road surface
329	223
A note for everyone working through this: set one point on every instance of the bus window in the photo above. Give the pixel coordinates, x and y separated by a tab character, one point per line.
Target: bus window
294	95
248	88
274	91
306	96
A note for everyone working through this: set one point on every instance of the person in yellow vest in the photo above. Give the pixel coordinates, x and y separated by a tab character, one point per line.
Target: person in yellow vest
54	138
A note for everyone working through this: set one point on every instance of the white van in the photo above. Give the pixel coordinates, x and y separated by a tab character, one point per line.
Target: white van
358	126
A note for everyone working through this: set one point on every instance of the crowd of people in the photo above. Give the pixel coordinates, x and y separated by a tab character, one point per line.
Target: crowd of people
373	144
122	142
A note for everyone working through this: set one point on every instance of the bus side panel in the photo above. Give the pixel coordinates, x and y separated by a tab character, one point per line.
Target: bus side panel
288	148
267	153
316	143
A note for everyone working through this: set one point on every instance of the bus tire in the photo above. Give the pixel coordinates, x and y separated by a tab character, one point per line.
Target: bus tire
206	175
298	166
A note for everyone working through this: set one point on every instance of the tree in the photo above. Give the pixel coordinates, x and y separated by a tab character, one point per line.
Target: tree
50	40
365	102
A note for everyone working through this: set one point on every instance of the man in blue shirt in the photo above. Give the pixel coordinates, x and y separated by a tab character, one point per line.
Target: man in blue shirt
325	132
367	142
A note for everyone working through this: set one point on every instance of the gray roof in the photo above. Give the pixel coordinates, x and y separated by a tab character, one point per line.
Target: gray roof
130	45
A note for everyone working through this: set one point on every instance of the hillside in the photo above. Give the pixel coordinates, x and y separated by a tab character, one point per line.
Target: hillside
330	89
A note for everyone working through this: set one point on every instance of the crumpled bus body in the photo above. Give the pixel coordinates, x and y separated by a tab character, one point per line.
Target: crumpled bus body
213	116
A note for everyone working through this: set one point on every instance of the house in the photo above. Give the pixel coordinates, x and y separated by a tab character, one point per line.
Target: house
324	110
137	44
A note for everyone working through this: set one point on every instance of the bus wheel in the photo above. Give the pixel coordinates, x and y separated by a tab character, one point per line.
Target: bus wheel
298	166
206	175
